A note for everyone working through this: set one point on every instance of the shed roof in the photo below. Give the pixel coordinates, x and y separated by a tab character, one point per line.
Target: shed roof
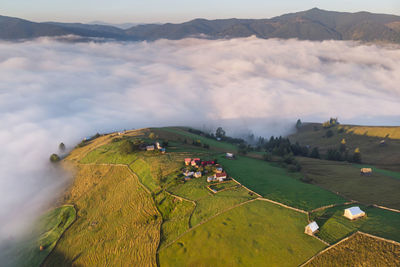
355	210
313	226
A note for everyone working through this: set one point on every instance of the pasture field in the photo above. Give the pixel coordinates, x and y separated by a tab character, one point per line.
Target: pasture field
345	178
117	221
180	133
176	215
334	226
359	250
207	203
109	153
277	184
254	234
223	186
386	157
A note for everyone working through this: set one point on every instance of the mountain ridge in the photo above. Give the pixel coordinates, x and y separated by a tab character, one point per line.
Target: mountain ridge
314	24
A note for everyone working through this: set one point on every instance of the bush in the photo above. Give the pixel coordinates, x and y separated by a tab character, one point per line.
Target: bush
315	153
329	134
54	158
267	156
127	147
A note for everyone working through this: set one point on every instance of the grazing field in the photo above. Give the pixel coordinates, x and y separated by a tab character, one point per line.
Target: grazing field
387	173
117	221
176	215
359	250
387	156
179	134
207	203
334	226
255	234
344	178
275	183
224	186
109	153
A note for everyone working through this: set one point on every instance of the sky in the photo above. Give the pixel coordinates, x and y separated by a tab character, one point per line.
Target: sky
139	11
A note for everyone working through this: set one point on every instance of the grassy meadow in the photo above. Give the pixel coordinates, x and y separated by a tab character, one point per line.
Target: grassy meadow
117	221
344	178
277	184
334	226
359	250
255	234
386	157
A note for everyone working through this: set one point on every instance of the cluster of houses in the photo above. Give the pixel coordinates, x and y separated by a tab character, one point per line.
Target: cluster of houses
350	213
152	147
218	175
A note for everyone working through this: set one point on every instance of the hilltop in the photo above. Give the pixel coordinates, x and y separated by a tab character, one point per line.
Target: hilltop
314	24
133	201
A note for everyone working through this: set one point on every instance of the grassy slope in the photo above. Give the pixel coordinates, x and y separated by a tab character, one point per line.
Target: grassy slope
255	234
384	156
360	250
46	233
346	179
117	221
334	226
276	184
375	131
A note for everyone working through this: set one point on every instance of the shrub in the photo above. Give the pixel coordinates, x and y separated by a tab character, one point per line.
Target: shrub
329	134
54	158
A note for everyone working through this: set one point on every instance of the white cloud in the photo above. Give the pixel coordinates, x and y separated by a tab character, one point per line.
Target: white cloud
52	92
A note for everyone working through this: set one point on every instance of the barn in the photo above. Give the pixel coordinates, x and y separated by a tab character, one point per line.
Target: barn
353	213
311	228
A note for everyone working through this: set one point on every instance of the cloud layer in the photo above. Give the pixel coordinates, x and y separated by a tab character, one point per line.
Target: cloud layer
52	92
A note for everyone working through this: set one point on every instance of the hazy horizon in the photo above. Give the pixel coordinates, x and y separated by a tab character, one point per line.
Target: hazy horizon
138	12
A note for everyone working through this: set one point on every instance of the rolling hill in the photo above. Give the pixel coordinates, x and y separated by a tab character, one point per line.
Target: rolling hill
313	24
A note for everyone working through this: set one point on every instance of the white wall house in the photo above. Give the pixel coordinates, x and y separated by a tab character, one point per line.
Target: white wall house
353	213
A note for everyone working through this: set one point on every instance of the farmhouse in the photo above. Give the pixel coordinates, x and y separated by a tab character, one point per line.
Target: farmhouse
219	170
366	171
195	162
353	213
311	228
150	148
208	162
187	161
187	178
197	174
220	176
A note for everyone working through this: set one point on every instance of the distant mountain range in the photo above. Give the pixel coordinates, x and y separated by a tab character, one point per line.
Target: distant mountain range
313	24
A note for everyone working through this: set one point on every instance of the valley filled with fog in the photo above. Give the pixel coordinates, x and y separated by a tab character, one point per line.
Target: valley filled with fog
52	92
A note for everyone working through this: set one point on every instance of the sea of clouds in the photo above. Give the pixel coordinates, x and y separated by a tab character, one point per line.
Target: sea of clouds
52	92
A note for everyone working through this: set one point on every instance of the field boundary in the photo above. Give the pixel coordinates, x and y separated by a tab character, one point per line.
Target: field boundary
260	196
282	205
385	208
347	238
224	182
333	205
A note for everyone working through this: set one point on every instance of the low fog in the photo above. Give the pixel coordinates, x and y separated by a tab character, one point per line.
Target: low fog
52	92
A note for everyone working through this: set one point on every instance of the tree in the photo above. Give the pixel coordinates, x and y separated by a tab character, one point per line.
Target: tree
298	124
152	136
329	133
127	147
315	153
61	147
220	133
357	155
54	158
